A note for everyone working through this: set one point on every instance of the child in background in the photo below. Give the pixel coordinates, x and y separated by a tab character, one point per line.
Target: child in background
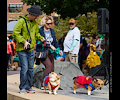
93	59
61	58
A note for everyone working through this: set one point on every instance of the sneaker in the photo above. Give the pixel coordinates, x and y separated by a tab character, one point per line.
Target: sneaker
42	88
30	91
22	91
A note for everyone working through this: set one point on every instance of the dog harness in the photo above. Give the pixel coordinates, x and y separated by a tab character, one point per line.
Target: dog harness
46	80
83	81
90	84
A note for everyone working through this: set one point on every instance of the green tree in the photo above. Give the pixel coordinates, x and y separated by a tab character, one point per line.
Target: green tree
69	8
86	23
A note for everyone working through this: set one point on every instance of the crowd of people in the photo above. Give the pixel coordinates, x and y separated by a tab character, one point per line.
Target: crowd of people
71	47
11	51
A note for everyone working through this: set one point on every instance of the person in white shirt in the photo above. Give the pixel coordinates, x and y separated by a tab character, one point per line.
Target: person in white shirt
72	43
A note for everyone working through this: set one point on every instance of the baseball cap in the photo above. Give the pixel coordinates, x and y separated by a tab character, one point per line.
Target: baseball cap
72	21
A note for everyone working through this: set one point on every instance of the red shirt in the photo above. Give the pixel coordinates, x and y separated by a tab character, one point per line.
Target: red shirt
9	50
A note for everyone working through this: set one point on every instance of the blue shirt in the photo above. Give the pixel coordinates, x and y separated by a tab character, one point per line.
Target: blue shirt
58	56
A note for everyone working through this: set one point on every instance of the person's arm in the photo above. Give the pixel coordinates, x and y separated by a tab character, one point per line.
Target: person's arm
18	30
76	39
38	36
81	44
81	41
61	59
54	39
74	43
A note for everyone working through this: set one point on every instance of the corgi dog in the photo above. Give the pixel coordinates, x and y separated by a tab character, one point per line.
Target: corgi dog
52	81
88	83
14	66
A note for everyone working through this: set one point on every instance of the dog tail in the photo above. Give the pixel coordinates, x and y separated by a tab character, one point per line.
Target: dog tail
74	78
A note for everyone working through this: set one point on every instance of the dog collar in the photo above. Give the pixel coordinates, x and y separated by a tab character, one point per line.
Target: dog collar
46	80
53	87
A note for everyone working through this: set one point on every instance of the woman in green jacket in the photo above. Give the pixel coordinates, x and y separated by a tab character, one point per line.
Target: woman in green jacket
26	56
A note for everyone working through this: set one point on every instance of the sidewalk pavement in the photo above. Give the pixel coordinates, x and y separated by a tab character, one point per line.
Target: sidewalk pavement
13	88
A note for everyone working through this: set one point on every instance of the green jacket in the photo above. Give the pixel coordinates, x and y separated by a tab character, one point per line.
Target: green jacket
20	33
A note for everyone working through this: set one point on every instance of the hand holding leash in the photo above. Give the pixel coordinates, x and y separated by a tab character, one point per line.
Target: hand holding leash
60	53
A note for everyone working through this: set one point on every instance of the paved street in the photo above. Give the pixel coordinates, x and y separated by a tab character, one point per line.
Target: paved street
102	94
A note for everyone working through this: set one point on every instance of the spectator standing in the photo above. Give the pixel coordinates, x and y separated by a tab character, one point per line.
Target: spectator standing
51	45
93	59
61	41
72	43
79	54
13	48
98	44
9	51
26	57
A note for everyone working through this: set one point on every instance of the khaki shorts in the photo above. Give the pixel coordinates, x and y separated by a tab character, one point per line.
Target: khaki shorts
71	57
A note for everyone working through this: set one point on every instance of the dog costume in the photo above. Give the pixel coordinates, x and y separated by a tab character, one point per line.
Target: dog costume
46	80
83	81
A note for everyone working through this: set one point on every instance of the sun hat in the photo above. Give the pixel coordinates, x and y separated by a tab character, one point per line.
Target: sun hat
34	10
72	21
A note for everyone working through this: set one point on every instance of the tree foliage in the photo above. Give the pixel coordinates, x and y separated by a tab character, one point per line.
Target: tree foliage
86	23
69	8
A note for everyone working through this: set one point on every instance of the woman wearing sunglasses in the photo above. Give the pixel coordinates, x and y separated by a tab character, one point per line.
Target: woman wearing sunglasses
51	45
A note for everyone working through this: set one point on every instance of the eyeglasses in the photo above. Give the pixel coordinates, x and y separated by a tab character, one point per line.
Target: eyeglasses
49	23
71	23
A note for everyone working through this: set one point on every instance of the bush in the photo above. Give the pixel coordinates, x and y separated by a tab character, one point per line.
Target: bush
86	23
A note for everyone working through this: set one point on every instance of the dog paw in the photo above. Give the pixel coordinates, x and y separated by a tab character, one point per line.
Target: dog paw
74	92
50	92
55	93
89	93
46	91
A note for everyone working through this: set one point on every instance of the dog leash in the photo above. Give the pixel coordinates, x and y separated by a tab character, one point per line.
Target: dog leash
74	65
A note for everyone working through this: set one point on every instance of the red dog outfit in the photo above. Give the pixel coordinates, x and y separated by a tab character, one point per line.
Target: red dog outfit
46	80
83	81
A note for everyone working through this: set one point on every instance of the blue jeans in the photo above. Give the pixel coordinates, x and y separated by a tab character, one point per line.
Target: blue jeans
26	73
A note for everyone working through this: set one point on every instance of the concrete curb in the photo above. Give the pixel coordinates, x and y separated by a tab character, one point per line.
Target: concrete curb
13	89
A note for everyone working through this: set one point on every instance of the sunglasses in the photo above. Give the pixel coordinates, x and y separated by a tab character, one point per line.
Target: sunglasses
49	23
71	23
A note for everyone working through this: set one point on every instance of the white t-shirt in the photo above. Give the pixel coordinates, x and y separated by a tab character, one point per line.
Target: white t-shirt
72	35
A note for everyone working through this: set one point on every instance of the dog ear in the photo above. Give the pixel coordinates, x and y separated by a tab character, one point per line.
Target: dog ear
104	81
95	79
58	76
